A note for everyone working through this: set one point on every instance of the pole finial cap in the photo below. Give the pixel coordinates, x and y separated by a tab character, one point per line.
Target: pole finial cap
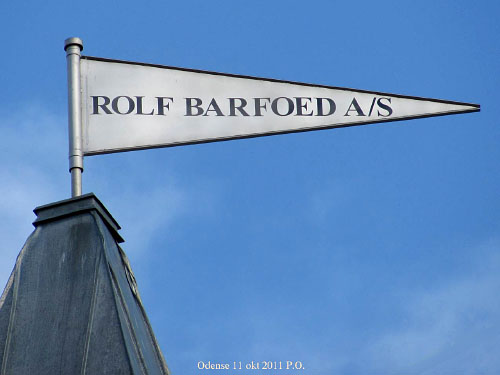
73	42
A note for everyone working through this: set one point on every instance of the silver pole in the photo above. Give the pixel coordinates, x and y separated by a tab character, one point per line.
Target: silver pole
73	48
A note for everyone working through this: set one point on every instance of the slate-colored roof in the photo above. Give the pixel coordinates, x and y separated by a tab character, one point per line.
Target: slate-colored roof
71	305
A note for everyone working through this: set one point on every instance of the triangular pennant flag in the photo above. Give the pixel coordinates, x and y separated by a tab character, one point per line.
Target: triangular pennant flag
130	106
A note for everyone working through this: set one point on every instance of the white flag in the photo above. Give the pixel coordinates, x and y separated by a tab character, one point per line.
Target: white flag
130	106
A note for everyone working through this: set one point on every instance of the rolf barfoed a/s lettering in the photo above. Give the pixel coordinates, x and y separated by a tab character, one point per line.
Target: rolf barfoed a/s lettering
237	106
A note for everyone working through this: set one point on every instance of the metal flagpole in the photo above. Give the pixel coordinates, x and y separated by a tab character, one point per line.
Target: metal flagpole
73	48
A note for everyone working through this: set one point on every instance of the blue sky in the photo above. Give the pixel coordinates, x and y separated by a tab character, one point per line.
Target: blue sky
366	250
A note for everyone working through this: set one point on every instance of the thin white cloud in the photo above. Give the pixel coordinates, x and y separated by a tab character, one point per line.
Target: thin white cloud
450	329
148	211
325	200
28	174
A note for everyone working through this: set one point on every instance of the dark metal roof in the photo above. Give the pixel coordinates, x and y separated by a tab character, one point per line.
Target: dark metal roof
71	305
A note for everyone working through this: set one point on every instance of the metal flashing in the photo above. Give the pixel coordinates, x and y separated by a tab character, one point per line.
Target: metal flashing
71	305
72	206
